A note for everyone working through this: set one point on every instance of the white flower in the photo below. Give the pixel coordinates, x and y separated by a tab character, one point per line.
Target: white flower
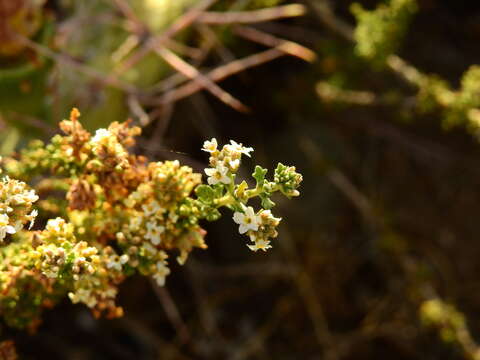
116	262
234	164
210	146
260	244
5	227
55	225
124	259
247	220
153	232
30	196
236	147
161	273
218	175
152	208
100	136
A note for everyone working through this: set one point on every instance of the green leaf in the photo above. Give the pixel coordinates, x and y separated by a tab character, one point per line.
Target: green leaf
259	175
205	194
267	204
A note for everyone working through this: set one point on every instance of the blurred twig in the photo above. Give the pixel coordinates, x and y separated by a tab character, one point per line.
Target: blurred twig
289	47
75	64
172	313
205	82
155	41
216	75
254	16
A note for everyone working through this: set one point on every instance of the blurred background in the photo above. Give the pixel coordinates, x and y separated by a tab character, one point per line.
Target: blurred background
377	104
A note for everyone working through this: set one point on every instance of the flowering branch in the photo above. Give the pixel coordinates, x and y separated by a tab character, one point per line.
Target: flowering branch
120	215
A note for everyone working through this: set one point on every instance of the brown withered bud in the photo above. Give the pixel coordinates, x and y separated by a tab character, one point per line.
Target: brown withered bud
78	135
81	195
124	133
36	240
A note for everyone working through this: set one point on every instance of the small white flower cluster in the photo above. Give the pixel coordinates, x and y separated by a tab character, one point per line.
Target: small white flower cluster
149	223
16	202
88	292
83	295
260	227
224	163
151	218
58	244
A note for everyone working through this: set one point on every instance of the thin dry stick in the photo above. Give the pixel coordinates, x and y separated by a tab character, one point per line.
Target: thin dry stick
254	16
211	37
172	312
137	110
178	78
191	52
256	342
340	181
191	72
85	69
127	11
168	349
181	23
216	75
306	288
266	39
324	12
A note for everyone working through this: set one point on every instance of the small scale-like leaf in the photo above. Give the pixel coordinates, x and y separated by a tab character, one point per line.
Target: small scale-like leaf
267	204
205	193
259	175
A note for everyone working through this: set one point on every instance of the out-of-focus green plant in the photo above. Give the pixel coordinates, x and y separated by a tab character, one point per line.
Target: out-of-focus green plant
451	325
379	33
120	215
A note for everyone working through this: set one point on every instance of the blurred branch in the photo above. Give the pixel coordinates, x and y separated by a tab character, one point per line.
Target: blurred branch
154	41
257	340
203	81
289	47
254	16
172	312
75	64
216	75
137	110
